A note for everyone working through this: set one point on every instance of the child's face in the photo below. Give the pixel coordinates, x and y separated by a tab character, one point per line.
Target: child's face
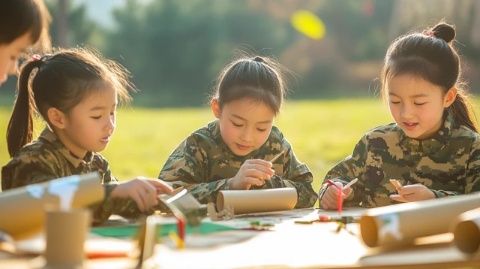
417	105
90	124
9	54
245	124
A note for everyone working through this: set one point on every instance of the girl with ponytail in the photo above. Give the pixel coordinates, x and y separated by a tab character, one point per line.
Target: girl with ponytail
76	92
433	148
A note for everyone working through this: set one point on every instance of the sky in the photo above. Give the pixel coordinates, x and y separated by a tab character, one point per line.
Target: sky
100	10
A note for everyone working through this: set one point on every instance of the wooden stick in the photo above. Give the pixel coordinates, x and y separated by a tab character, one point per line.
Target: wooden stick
277	156
349	184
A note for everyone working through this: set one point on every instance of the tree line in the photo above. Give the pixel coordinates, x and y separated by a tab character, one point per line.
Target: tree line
174	49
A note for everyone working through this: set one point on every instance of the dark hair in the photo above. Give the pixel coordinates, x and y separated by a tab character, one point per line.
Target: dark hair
18	17
431	56
256	77
61	80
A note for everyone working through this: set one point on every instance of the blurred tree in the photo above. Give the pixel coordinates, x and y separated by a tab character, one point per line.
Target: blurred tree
61	23
72	27
475	31
464	14
175	49
358	27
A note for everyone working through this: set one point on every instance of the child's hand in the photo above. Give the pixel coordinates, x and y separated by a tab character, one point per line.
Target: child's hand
411	193
143	191
252	172
330	197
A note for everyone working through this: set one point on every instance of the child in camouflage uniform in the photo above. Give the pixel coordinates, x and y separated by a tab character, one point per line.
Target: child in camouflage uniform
233	152
433	148
76	93
22	24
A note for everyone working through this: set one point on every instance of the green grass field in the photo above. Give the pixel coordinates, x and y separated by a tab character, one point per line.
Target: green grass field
322	132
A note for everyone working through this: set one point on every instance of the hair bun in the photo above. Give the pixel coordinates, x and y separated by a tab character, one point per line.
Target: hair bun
444	31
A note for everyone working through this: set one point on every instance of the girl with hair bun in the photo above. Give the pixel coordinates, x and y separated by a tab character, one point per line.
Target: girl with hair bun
433	147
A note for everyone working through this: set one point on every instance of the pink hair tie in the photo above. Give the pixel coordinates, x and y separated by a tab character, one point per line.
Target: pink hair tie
429	33
36	57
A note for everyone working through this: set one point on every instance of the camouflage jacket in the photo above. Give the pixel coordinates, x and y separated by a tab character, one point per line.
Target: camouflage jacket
47	158
447	163
203	163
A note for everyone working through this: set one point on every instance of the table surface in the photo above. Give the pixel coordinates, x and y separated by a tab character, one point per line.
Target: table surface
287	244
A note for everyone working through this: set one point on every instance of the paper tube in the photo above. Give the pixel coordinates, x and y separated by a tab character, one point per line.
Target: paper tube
66	232
250	201
466	232
400	224
22	209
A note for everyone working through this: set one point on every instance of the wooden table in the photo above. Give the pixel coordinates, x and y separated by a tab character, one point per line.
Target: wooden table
288	244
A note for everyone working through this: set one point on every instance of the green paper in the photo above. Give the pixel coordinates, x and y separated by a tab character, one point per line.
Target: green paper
131	230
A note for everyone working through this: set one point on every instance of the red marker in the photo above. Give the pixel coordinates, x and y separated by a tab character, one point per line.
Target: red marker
181	228
339	197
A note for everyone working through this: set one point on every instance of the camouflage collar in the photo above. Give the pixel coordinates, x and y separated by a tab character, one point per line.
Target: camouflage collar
432	144
50	136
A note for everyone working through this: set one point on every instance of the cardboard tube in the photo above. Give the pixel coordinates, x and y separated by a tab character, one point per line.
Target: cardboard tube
22	209
466	232
66	232
250	201
400	224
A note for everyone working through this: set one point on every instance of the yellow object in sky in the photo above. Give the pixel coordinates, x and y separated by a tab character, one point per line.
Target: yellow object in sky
308	23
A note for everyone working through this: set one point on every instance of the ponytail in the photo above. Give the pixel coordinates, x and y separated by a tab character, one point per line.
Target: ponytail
20	126
60	80
462	110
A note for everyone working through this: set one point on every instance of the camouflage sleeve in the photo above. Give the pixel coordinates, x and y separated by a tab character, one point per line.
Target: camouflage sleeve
27	170
124	207
296	175
443	193
472	183
186	167
348	169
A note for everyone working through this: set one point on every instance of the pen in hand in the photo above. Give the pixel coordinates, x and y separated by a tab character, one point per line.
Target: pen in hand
340	192
339	196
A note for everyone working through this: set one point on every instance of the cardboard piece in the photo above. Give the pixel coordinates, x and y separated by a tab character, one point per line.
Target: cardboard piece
400	224
66	232
466	232
225	214
184	206
396	184
22	210
250	201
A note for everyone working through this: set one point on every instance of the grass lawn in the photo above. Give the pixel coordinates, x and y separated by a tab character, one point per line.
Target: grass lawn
322	132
